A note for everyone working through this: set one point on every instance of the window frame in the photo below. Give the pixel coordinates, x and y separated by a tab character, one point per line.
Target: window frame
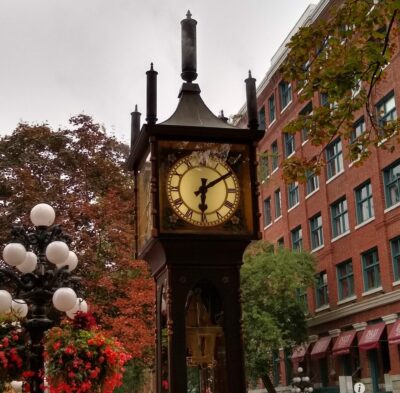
381	104
271	109
335	157
289	143
341	217
275	156
321	288
347	277
278	203
311	179
293	194
296	236
374	267
316	230
395	257
390	180
285	94
267	212
360	201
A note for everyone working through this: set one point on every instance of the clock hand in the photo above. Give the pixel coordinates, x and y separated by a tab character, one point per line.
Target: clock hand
202	191
214	182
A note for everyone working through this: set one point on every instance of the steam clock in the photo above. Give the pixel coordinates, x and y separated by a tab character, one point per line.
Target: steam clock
196	212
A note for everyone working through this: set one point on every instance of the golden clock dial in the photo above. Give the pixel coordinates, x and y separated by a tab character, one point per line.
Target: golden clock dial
203	194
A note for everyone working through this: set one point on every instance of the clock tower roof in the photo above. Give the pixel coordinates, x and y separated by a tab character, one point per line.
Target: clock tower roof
193	112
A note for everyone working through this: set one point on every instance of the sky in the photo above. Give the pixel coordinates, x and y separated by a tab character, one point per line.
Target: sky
59	58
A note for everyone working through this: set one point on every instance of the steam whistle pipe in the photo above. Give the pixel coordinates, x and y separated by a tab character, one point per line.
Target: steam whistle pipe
151	95
189	49
251	97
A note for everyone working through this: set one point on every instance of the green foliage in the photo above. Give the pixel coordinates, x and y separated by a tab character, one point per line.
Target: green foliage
273	314
134	377
343	57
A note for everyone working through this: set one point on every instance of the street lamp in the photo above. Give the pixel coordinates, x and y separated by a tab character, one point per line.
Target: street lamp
40	267
301	383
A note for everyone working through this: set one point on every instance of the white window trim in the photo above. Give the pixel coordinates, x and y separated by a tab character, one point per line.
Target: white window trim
291	154
365	222
312	193
269	225
396	205
322	308
287	106
293	207
278	218
333	240
304	142
394	283
347	299
334	176
371	291
275	170
318	248
272	122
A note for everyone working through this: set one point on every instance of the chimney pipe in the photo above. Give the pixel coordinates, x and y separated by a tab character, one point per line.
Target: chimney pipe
135	125
151	95
189	56
251	96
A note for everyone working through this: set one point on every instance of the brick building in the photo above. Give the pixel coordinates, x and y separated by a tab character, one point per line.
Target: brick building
349	217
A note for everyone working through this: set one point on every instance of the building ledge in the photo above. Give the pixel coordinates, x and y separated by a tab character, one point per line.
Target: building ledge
364	305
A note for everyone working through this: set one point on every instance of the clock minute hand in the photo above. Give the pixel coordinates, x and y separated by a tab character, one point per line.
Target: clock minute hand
214	182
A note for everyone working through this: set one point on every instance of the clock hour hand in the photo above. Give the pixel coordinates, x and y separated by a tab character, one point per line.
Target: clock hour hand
214	182
202	191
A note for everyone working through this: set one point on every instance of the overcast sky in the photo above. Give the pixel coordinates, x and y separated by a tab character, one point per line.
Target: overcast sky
59	58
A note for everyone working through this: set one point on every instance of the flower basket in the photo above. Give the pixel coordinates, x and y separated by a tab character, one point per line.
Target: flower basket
13	354
80	360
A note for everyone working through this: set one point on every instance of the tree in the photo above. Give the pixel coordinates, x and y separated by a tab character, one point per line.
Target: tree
80	172
273	314
343	57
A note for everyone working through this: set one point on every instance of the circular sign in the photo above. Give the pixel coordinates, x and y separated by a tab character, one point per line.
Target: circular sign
359	387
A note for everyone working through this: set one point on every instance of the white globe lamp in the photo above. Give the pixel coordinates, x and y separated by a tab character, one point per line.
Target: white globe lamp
19	308
57	252
29	264
71	262
5	301
300	370
17	386
42	215
14	254
80	305
64	299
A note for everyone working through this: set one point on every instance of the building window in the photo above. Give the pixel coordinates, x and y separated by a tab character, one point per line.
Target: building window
274	155
340	218
293	194
334	158
395	248
278	203
323	99
370	265
356	134
289	144
263	171
317	238
322	290
391	180
386	110
305	112
261	118
281	242
267	212
364	203
345	277
312	182
301	295
297	239
271	109
285	91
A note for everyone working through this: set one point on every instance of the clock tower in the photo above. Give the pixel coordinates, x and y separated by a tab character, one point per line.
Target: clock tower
196	210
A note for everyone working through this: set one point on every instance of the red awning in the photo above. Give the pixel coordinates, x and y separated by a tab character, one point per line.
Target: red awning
299	353
321	347
343	343
394	335
371	335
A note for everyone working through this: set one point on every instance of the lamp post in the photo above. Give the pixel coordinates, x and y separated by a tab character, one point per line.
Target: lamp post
301	383
38	267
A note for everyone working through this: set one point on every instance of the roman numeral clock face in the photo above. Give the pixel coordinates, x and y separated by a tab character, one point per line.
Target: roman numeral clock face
202	194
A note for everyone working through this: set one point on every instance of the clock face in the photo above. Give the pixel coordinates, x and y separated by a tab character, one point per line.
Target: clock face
202	194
